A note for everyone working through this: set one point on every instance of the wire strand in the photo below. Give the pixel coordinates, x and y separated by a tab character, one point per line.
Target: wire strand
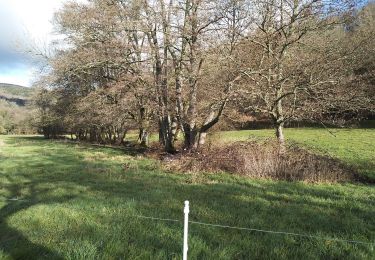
153	218
12	199
244	228
282	233
260	230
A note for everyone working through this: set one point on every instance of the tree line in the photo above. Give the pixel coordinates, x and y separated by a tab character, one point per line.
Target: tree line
177	67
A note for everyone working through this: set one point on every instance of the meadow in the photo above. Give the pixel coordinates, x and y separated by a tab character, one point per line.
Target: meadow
60	200
355	147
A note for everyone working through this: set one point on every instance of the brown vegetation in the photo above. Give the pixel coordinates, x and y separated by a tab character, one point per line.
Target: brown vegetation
263	160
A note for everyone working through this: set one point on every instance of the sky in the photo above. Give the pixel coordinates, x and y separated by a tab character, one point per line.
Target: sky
24	24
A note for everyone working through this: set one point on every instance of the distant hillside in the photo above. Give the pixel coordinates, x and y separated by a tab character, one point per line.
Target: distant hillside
15	110
15	91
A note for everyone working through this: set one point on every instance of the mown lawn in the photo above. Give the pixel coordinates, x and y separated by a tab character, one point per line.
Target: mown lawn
67	201
355	147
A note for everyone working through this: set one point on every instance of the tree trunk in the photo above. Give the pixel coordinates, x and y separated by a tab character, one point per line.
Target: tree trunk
143	137
202	138
280	136
161	132
124	136
190	138
166	137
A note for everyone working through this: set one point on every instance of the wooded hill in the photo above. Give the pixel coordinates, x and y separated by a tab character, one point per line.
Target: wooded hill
15	112
15	91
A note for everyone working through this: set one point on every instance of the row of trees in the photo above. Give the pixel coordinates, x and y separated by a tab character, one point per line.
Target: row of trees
178	66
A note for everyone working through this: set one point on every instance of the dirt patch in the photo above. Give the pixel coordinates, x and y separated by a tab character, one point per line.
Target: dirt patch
263	160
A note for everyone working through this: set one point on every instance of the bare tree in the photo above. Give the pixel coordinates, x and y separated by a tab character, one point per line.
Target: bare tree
127	64
274	53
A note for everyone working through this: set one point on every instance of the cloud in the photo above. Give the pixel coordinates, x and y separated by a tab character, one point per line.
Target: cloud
15	68
24	26
21	77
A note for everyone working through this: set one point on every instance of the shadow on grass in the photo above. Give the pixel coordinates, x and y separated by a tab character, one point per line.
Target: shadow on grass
131	149
12	241
232	201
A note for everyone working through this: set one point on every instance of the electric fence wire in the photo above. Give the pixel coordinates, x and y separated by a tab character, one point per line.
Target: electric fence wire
261	230
245	228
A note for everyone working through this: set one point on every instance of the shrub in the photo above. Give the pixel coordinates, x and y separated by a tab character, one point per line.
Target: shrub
264	160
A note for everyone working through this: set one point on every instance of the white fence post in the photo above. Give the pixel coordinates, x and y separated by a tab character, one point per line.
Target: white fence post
186	222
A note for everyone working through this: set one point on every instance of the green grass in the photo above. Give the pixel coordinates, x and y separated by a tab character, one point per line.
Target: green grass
356	147
78	202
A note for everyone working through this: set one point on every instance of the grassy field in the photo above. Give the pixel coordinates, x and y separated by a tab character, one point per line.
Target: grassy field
68	201
355	147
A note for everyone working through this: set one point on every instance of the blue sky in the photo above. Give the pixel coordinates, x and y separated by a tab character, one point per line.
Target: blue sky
24	24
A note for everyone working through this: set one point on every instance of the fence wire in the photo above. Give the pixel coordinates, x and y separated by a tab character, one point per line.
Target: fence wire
240	228
261	230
